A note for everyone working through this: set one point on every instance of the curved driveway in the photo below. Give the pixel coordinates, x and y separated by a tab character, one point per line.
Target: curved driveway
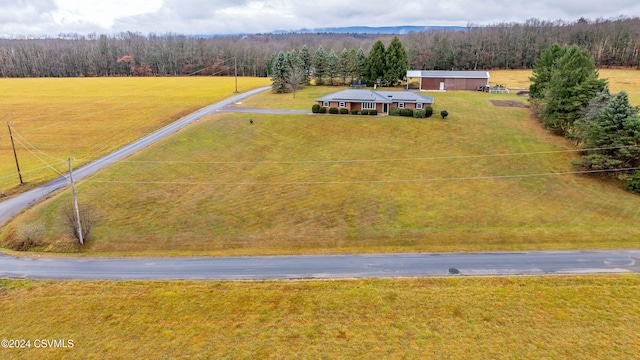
323	266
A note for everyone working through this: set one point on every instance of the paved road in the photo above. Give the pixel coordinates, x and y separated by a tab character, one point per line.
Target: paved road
323	266
12	206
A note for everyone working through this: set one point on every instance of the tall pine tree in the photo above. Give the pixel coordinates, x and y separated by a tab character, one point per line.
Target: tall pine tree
376	64
280	73
396	61
573	82
319	63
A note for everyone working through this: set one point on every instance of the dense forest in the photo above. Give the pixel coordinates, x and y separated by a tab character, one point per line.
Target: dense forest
611	42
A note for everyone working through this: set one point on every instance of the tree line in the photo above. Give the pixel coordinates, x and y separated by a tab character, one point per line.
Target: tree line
610	42
572	101
382	66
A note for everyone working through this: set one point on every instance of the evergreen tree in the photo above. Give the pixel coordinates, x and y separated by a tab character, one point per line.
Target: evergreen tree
359	65
332	66
280	73
319	64
343	65
572	84
376	65
543	69
616	135
396	61
305	60
590	116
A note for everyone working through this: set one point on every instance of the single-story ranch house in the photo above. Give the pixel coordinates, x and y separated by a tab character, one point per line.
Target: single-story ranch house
381	101
449	80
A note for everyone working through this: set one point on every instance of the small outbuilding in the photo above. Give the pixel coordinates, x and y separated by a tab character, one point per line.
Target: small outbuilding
440	80
381	101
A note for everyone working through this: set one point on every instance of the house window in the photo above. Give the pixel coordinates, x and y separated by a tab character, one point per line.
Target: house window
419	106
325	104
401	105
342	104
368	106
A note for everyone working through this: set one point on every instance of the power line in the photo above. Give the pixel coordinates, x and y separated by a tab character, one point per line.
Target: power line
379	160
490	177
39	158
33	170
35	148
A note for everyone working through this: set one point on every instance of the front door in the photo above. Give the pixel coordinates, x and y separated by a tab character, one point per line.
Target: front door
385	108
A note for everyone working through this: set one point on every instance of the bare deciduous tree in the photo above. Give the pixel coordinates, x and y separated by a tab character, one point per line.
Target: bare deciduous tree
88	219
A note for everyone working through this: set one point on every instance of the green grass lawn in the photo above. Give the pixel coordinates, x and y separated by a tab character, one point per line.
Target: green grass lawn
590	317
335	184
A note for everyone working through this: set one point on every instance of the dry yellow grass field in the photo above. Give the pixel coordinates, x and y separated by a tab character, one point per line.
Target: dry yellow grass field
619	79
85	118
291	184
577	317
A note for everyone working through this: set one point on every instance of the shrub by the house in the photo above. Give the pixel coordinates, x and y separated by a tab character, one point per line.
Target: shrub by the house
419	114
364	112
354	111
373	112
633	184
344	111
394	111
323	110
406	112
315	108
428	111
333	110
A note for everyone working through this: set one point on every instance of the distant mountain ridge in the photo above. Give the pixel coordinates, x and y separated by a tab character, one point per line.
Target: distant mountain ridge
370	29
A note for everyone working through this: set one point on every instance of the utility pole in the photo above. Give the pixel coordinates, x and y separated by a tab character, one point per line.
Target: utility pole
75	203
235	67
15	155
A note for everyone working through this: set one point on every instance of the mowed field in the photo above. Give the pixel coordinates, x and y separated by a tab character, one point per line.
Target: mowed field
555	317
486	178
85	118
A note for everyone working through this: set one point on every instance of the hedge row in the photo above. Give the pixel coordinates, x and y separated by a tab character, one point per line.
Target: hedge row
424	113
317	109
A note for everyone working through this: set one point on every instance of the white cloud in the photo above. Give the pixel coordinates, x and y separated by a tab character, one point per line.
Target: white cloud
102	13
21	17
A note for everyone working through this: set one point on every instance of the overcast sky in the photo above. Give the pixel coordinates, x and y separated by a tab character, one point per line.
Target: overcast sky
53	17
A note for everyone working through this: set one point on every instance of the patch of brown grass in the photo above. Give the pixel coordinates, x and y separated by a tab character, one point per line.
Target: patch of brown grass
509	103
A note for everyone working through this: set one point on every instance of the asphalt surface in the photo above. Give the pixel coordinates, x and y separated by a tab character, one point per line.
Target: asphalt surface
323	266
239	109
14	205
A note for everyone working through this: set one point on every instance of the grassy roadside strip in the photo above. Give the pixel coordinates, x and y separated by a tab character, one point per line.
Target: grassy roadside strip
472	318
